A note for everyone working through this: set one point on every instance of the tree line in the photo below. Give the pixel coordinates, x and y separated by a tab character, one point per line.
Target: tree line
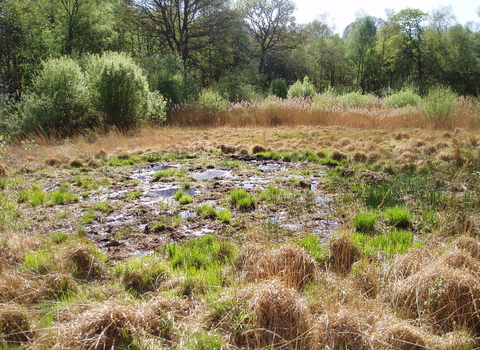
242	50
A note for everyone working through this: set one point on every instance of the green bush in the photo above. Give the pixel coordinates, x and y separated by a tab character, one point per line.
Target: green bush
299	89
355	99
168	75
400	99
59	101
325	102
9	116
439	104
279	88
119	89
157	108
210	101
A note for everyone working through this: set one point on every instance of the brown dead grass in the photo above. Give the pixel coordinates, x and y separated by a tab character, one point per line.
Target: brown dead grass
15	323
281	318
104	326
82	261
445	291
343	253
394	334
292	266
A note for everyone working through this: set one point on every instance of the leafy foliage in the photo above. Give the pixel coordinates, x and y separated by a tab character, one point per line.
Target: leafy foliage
60	99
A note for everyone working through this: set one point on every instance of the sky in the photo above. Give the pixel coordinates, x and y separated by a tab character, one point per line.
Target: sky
343	12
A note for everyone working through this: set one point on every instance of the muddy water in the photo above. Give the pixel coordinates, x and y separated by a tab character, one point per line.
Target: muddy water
138	226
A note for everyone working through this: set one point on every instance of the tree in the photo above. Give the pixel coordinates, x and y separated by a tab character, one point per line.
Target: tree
84	25
185	26
413	48
361	46
323	54
25	39
269	23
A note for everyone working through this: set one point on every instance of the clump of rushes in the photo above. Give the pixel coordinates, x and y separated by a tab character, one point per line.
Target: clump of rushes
32	197
168	175
396	242
207	211
132	195
182	196
242	199
140	275
365	222
102	206
399	217
224	216
272	195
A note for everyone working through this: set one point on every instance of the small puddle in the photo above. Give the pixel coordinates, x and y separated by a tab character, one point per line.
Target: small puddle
167	192
272	167
142	253
211	174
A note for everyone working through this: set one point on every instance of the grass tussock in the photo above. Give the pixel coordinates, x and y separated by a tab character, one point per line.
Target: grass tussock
293	266
343	253
445	292
15	324
103	326
281	318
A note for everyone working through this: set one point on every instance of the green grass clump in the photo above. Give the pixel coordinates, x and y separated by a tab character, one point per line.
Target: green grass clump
168	175
86	182
133	195
224	216
102	207
365	222
140	275
88	216
33	197
242	199
399	217
125	159
272	195
61	197
182	197
38	261
200	261
313	245
207	211
396	242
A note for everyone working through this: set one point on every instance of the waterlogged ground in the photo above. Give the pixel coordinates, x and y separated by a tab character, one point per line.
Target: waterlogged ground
133	210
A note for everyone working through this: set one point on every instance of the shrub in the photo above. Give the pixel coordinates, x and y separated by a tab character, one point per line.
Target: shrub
157	108
120	90
168	75
325	102
59	101
355	99
279	88
439	104
402	99
299	89
211	102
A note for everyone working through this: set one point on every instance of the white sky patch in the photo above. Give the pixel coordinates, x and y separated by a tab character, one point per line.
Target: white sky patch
343	12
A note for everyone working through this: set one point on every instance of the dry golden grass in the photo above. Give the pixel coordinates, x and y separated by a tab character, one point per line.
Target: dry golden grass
293	266
343	254
445	292
103	326
281	318
15	323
